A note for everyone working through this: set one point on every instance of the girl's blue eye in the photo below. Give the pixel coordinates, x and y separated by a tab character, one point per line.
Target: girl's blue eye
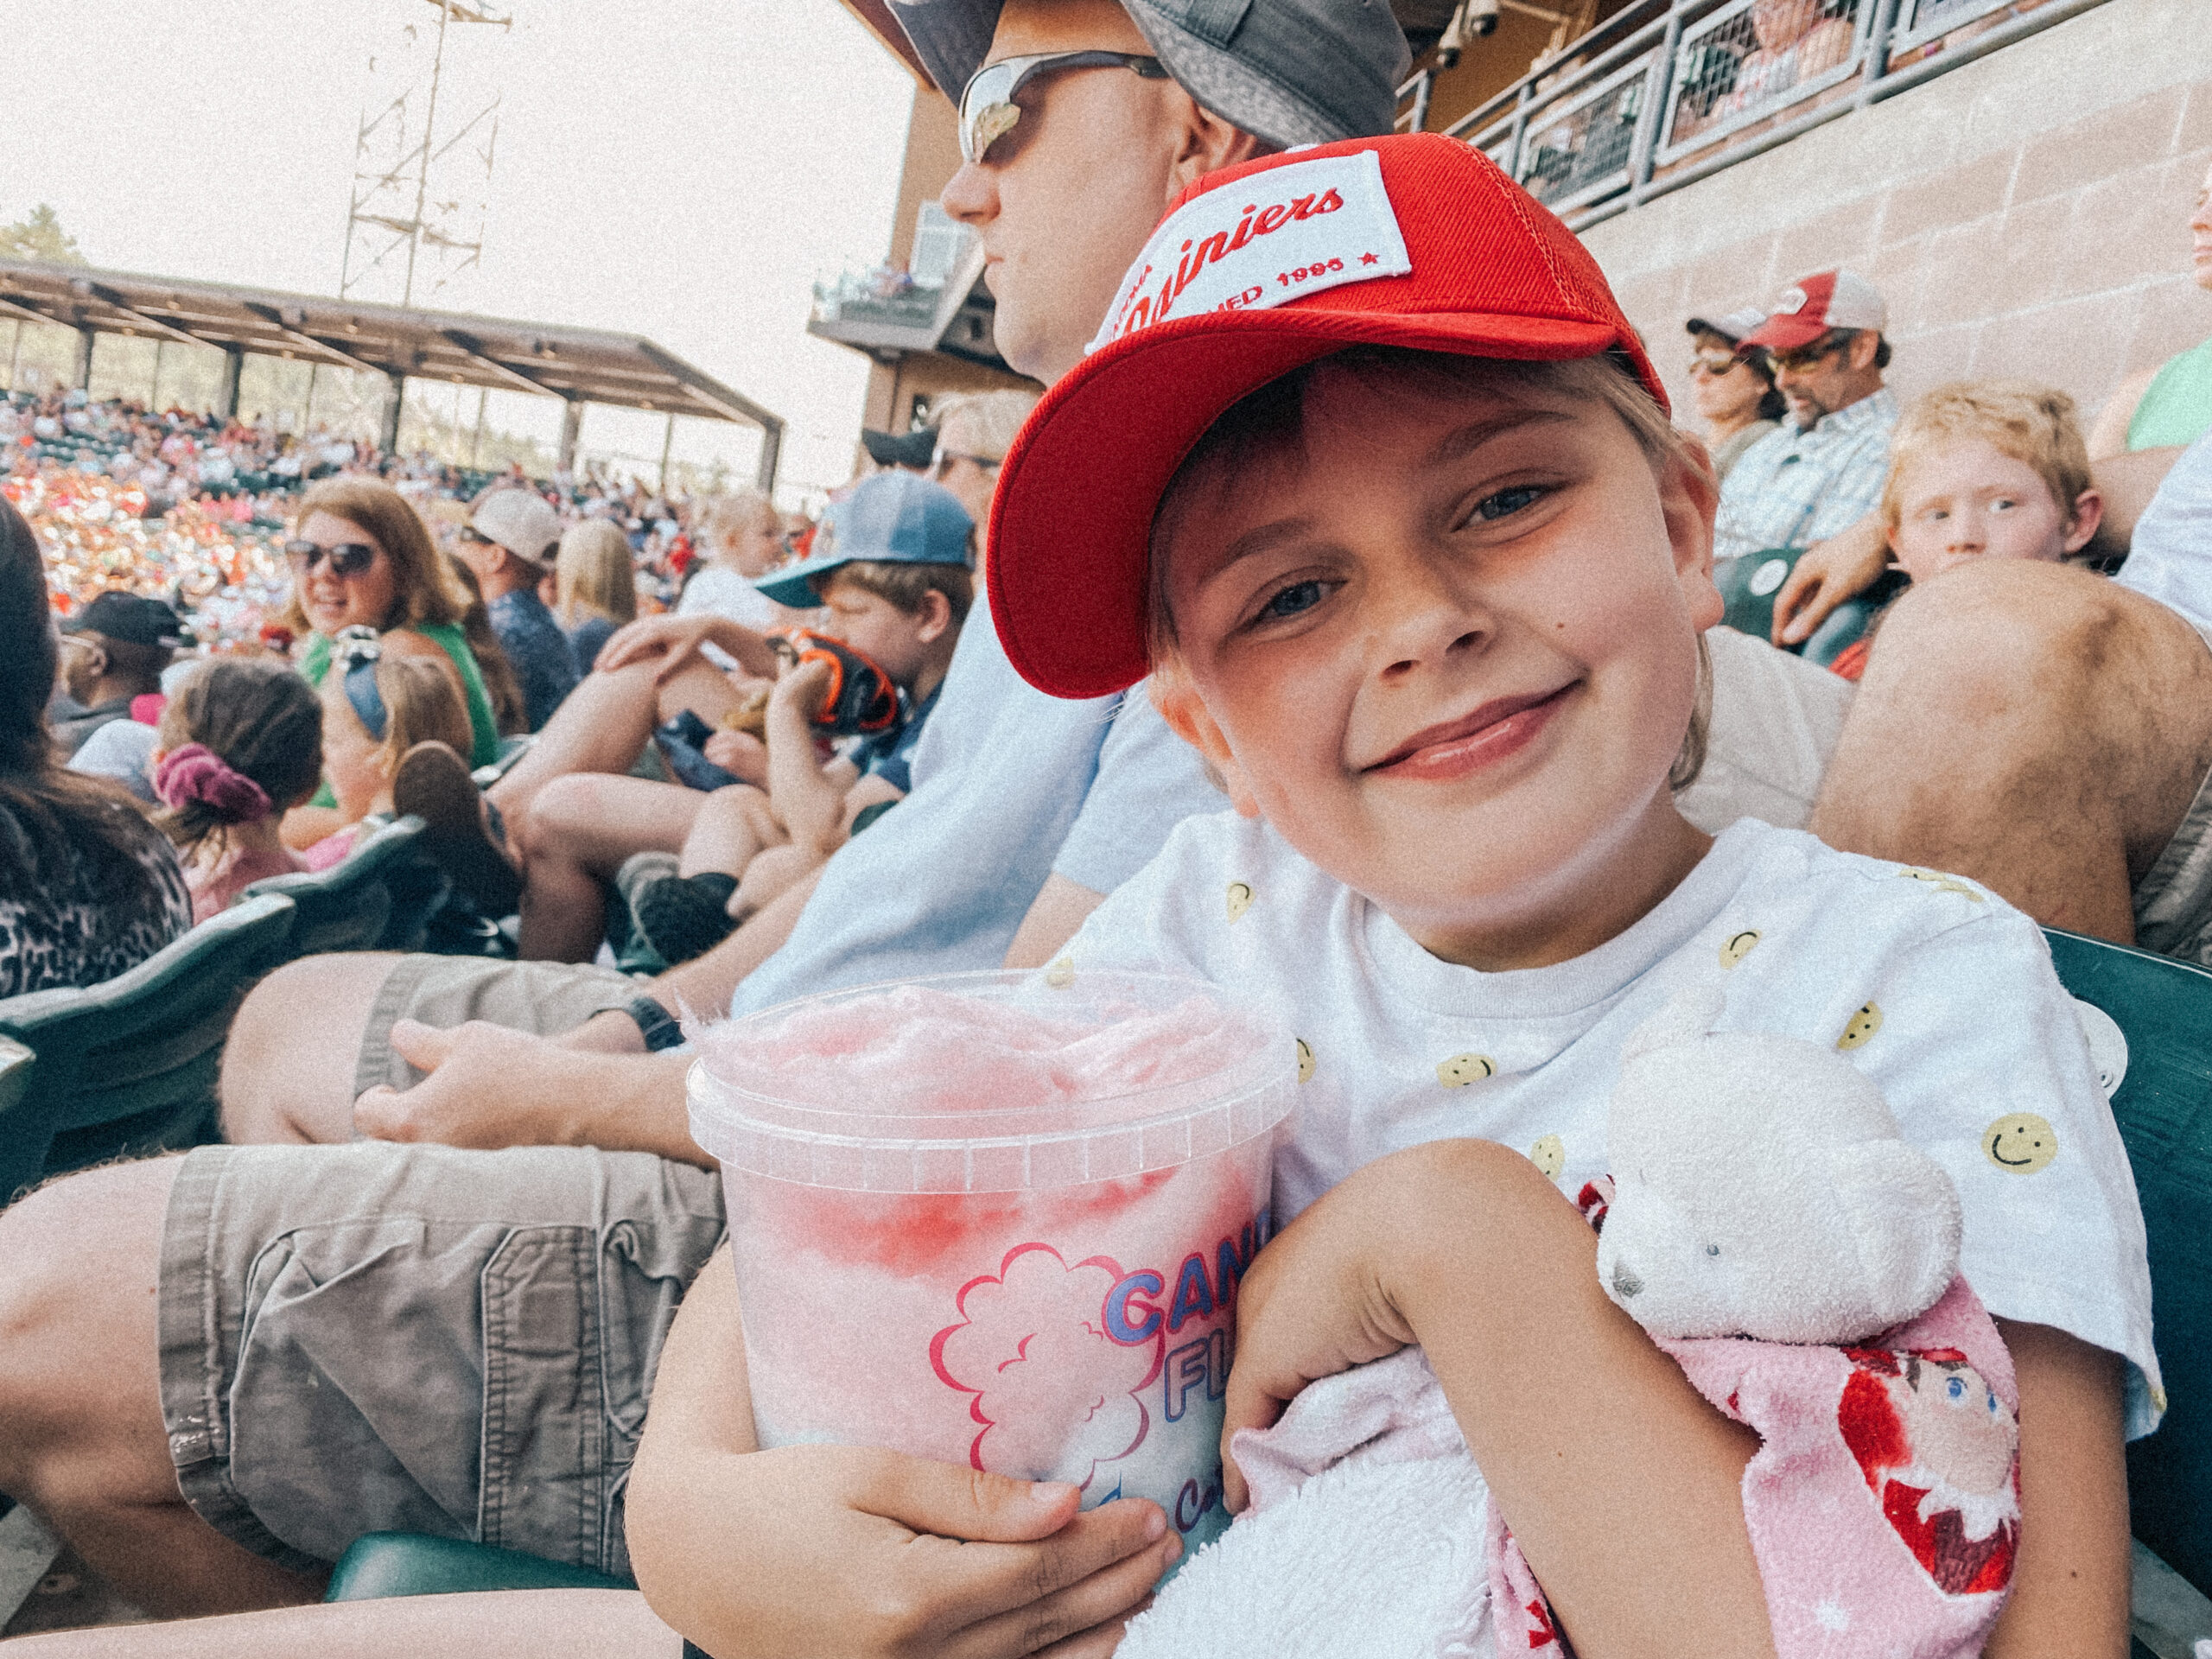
1299	596
1506	502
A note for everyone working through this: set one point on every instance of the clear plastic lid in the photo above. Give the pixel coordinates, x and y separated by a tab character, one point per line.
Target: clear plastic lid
990	1082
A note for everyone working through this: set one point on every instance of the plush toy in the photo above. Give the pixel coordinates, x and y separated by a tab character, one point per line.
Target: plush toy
1766	1223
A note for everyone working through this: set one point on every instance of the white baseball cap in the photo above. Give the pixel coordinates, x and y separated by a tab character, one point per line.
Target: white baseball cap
519	520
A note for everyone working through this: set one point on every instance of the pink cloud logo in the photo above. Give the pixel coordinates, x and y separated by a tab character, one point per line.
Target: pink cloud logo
1055	1394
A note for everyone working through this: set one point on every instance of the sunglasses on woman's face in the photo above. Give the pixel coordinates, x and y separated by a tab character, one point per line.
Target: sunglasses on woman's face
347	559
1715	364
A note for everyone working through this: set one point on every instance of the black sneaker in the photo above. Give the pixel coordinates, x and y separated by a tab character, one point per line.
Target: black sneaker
683	916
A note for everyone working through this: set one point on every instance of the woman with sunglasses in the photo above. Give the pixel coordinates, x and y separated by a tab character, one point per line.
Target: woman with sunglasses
1733	389
361	557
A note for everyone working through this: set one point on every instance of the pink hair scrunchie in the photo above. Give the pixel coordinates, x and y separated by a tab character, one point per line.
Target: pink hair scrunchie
196	775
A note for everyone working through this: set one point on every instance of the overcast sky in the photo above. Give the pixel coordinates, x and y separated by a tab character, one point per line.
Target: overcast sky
677	169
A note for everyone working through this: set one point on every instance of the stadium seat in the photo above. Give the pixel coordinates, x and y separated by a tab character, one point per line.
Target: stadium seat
379	897
511	749
1748	586
2163	1105
130	1065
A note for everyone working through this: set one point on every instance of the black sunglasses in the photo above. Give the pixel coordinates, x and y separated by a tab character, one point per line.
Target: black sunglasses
347	559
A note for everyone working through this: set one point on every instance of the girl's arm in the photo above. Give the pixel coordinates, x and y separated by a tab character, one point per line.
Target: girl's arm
1623	1486
814	1549
2070	1582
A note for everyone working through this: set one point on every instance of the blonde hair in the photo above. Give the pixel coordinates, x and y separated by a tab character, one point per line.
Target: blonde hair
1271	422
594	574
728	517
422	705
423	588
2035	425
982	425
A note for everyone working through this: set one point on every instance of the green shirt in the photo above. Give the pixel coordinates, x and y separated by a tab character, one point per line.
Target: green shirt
484	731
2177	406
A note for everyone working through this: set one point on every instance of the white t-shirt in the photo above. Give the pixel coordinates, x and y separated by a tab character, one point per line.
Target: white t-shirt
1974	1028
716	590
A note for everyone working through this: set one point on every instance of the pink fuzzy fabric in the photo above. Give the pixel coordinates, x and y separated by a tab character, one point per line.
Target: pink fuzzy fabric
197	775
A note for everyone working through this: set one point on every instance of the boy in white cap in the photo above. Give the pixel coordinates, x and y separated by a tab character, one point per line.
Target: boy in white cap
507	545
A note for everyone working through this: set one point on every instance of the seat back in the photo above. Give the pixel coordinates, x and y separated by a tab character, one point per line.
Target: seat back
130	1065
376	898
2163	1007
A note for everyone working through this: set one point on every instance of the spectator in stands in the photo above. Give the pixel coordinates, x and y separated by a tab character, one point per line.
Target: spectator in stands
893	582
383	718
914	450
507	545
241	746
1994	470
596	588
1797	40
1821	470
973	434
1024	812
114	650
742	539
510	714
88	888
360	558
1732	386
2171	404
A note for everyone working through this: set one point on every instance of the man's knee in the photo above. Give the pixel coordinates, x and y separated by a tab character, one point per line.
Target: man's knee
2005	638
293	1048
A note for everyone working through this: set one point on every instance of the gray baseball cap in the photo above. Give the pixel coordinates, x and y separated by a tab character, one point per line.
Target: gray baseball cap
1292	72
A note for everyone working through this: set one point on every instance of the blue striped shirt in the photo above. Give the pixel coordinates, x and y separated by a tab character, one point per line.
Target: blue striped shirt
1795	486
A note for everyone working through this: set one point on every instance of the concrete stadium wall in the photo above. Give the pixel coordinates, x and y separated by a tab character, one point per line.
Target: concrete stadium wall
2025	214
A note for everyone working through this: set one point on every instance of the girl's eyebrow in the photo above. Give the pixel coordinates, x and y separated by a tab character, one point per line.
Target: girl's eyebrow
1464	440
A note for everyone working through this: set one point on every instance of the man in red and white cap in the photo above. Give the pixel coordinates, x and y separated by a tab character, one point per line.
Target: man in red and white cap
1821	471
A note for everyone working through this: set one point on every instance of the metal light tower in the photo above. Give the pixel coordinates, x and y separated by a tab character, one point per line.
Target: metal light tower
421	192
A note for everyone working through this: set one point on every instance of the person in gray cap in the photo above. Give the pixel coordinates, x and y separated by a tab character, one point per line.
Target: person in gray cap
507	545
1083	122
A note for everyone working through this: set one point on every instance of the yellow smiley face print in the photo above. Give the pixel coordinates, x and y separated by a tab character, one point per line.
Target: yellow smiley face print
1240	899
1943	883
1862	1027
1548	1154
2020	1143
1738	946
1463	1069
1304	1062
1060	974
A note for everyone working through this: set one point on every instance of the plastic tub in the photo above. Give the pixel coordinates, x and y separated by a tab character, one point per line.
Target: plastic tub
1000	1219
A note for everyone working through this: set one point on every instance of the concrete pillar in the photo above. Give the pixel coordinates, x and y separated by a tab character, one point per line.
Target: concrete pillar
395	393
80	371
572	426
764	472
226	390
667	443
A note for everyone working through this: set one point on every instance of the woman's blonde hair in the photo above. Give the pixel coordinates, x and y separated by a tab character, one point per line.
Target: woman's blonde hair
593	574
422	705
424	590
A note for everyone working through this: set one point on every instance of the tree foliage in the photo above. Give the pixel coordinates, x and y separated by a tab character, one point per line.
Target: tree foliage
40	236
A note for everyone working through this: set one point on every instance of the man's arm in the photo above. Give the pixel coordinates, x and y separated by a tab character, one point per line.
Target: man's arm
811	805
1827	573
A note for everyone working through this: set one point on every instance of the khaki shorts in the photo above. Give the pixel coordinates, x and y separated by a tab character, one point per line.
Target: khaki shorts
543	998
420	1339
1776	719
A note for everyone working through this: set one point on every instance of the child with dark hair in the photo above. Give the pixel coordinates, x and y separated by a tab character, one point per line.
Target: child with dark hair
241	746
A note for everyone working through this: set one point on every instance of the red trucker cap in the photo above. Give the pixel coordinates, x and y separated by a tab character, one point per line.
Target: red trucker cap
1416	241
1814	305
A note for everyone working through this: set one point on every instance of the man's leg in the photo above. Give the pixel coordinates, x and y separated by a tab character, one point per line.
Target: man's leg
79	1263
581	829
2032	725
314	1034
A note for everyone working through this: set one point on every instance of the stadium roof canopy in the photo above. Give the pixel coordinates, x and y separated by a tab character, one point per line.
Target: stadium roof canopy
580	365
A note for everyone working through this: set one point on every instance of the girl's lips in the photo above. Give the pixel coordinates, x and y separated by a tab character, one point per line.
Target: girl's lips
1500	728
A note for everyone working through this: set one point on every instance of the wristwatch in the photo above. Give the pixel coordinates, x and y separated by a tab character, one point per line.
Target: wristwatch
656	1025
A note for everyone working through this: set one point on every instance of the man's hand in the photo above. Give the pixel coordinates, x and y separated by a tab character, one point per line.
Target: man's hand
489	1087
1826	573
1315	1303
814	1549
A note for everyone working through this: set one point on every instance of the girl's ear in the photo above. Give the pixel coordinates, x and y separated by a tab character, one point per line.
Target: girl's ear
1186	714
1689	496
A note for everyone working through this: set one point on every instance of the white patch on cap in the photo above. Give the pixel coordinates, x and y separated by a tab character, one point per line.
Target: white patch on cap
1793	299
1263	241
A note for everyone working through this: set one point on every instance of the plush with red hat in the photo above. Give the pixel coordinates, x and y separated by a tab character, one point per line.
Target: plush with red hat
1416	241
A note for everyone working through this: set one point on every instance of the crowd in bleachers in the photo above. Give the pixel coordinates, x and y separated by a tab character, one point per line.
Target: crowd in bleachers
664	754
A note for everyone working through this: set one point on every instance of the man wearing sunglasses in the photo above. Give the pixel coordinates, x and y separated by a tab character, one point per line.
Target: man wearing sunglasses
1084	122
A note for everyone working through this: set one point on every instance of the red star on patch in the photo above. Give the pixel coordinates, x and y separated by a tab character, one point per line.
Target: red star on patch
1367	259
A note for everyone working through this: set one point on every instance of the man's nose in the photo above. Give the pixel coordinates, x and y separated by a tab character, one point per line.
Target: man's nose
970	195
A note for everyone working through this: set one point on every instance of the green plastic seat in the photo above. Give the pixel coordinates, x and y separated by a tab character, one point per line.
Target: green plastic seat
130	1065
380	1564
378	897
511	749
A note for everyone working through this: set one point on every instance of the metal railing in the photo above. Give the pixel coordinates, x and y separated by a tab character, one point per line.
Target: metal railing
1668	92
